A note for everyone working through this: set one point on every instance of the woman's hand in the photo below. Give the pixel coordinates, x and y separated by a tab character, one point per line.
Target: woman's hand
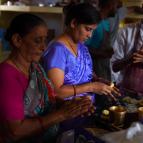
102	88
76	107
91	109
138	57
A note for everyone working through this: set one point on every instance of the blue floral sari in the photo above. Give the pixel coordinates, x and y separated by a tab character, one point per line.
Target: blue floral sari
39	100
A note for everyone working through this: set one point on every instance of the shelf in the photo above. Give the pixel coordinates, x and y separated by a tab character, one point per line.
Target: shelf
132	2
54	10
135	16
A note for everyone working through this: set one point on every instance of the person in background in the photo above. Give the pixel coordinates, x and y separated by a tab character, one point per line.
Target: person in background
122	12
128	58
67	61
28	110
101	43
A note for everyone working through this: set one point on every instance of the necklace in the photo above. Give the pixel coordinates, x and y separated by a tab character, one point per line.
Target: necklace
72	46
20	68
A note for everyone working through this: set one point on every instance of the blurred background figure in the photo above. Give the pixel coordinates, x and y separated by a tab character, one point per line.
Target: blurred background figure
101	43
128	58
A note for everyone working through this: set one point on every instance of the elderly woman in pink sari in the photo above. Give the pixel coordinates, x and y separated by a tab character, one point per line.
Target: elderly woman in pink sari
28	112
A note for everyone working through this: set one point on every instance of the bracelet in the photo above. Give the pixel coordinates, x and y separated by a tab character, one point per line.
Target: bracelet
74	88
41	124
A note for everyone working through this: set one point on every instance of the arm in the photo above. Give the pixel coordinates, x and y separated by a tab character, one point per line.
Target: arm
20	129
121	64
118	59
12	117
12	108
129	49
54	63
63	91
57	77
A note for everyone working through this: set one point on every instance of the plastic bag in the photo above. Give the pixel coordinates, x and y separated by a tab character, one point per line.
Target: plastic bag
134	134
66	137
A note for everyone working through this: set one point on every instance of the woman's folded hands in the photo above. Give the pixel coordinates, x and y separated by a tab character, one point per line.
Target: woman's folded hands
76	107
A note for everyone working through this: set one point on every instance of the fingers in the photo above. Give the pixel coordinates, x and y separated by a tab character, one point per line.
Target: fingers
72	112
100	88
116	91
80	111
86	106
111	91
83	101
138	60
138	57
112	96
90	111
78	107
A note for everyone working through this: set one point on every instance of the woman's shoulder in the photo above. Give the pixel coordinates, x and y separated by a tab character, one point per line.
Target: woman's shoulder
54	46
5	67
7	70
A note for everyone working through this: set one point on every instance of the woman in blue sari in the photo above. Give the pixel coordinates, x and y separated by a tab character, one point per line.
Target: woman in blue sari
67	61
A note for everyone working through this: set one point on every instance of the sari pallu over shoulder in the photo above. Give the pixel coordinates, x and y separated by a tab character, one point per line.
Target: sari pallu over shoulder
39	98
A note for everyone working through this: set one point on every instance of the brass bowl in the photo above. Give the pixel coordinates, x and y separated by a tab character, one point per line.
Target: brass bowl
117	109
117	114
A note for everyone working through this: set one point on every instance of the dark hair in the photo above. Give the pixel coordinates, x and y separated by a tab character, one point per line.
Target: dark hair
23	24
104	3
83	13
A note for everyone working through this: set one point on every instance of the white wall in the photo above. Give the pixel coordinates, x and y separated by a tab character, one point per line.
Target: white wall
54	21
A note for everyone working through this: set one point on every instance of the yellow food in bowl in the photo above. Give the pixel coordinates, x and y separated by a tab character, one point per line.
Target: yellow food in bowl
105	112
